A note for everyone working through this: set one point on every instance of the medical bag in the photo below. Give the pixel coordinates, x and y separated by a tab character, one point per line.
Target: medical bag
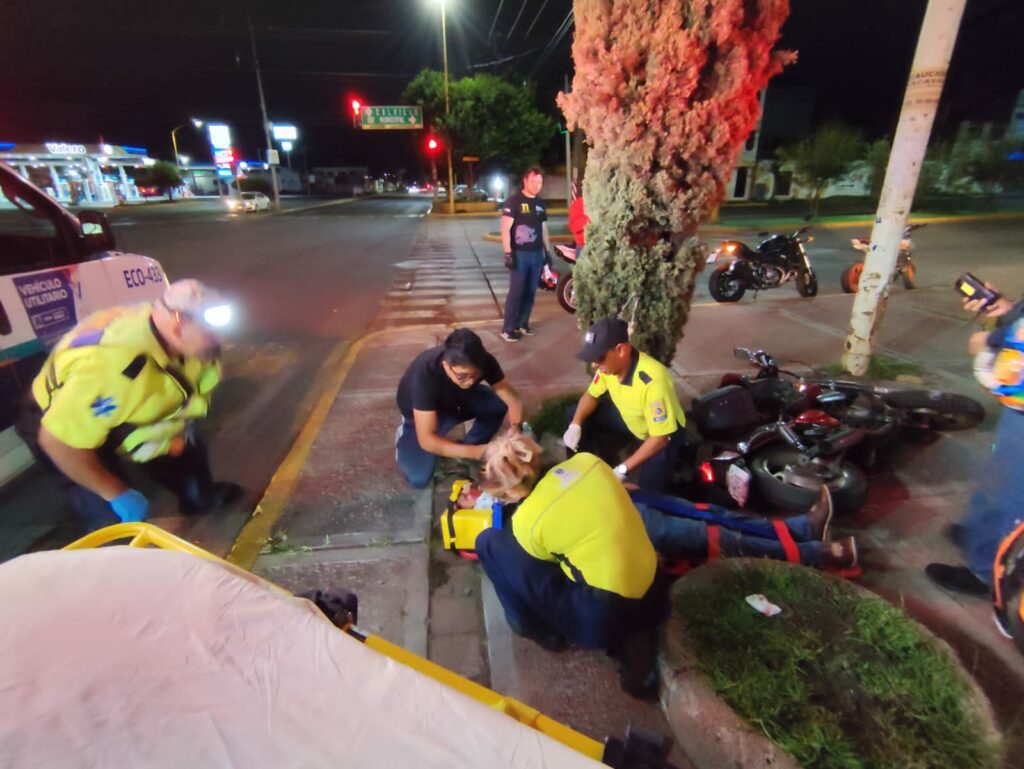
460	526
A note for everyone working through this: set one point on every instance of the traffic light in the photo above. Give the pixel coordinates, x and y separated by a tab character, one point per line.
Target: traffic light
356	106
433	145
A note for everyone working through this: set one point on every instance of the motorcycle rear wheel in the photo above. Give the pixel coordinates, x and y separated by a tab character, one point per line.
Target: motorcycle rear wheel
848	486
725	286
935	410
850	278
566	293
807	284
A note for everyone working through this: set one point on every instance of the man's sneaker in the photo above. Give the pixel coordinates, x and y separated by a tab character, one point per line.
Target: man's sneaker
526	331
511	336
820	515
958	579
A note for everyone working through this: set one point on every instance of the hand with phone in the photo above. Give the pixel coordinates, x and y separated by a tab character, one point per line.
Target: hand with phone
981	298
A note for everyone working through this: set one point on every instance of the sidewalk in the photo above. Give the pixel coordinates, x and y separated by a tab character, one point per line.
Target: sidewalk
366	530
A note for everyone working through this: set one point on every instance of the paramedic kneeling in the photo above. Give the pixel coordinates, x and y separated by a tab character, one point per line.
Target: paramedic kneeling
577	565
127	384
443	387
644	409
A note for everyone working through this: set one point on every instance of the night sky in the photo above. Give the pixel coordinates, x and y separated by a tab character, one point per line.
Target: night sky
129	71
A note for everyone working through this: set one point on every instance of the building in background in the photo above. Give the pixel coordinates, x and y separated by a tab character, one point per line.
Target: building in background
76	174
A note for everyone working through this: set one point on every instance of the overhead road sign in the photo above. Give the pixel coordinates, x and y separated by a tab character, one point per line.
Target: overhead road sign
391	118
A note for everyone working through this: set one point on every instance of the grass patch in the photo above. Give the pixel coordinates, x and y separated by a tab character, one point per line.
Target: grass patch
880	367
279	544
550	417
838	680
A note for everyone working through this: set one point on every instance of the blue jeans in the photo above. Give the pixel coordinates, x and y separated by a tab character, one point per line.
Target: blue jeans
674	536
522	289
995	508
481	404
536	595
605	422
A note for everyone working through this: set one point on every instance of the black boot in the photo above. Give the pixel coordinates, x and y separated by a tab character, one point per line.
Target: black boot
638	664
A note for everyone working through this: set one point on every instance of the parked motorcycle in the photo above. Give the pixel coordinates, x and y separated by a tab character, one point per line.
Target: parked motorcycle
905	269
777	260
565	290
828	427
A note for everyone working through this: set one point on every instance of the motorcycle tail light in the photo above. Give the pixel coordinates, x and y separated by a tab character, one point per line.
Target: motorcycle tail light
707	472
730	248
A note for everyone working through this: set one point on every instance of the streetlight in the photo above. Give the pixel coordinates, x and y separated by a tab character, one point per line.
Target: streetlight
447	107
174	139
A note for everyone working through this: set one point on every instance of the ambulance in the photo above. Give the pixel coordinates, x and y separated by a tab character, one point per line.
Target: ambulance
55	269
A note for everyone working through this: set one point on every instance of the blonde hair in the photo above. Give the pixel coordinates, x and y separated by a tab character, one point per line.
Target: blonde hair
511	465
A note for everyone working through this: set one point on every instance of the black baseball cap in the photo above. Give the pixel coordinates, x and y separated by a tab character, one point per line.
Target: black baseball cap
602	337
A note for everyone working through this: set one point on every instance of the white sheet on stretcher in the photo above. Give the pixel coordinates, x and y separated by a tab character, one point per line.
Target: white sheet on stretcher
121	657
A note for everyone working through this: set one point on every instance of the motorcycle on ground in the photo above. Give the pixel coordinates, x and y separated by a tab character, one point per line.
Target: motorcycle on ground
905	269
565	289
830	430
778	259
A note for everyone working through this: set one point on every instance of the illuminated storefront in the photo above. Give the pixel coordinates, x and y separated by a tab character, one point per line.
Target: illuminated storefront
79	174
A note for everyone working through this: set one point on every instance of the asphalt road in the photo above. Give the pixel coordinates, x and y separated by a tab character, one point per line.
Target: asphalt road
305	282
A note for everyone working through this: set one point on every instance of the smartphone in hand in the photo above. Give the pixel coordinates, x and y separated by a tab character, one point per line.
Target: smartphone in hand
973	289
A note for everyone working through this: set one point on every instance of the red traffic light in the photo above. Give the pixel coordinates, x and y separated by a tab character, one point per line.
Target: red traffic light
356	106
432	145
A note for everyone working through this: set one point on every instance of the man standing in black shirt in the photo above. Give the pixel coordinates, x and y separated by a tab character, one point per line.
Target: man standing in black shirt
524	235
444	387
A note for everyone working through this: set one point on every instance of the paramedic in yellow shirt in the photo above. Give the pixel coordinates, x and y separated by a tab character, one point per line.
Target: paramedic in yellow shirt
632	398
126	385
577	565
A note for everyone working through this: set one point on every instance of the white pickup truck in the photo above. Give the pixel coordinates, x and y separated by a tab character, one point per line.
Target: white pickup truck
55	268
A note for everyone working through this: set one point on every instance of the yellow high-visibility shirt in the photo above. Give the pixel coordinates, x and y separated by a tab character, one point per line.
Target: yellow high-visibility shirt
112	370
647	398
580	515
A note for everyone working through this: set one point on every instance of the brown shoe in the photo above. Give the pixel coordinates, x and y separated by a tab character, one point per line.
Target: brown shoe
820	516
840	554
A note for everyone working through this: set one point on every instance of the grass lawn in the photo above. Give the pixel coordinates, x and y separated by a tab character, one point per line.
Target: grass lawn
839	680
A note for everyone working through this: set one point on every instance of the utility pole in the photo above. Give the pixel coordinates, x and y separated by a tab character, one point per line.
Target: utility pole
568	155
266	121
447	111
927	76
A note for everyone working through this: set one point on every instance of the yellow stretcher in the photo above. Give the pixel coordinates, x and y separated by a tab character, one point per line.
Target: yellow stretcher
144	535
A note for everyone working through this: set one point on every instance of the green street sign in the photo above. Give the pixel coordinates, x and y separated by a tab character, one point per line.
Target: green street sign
391	118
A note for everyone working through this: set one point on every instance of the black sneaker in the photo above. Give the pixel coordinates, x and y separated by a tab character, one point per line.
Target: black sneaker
957	579
526	331
638	668
511	336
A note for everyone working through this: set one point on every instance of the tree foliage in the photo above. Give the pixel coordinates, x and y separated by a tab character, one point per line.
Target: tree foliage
825	156
162	175
490	117
878	161
987	164
666	93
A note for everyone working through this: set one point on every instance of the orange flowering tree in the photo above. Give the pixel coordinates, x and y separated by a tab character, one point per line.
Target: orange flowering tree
666	92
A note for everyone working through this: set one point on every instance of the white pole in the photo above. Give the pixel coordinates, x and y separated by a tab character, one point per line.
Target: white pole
266	120
927	76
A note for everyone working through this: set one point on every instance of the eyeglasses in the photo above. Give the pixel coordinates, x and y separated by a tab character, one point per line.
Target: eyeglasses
462	377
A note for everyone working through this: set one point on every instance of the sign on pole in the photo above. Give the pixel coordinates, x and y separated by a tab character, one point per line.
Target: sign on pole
391	118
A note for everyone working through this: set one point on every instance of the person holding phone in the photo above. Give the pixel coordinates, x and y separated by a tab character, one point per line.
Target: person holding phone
995	508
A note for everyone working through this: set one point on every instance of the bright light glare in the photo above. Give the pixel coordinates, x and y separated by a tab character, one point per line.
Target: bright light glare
287	146
217	316
197	123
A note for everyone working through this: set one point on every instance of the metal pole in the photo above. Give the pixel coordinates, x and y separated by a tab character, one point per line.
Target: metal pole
266	121
174	143
568	156
927	76
447	111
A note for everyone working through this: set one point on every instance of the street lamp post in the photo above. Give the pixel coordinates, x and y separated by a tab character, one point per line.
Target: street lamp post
447	109
174	138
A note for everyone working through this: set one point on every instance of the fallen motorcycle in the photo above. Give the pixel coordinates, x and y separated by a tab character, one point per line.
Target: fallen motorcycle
905	269
777	260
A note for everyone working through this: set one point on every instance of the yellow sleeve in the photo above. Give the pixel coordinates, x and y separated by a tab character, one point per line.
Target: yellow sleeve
660	409
598	387
85	409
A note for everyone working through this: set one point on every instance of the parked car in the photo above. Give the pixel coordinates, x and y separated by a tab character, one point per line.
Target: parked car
462	192
55	269
249	201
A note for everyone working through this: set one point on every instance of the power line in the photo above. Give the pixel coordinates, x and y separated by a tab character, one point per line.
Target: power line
534	22
497	13
516	22
562	30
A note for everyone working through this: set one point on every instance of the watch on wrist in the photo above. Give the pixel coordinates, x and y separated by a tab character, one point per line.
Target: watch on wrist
621	470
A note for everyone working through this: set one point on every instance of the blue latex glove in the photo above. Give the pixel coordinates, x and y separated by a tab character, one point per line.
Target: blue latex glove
131	506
